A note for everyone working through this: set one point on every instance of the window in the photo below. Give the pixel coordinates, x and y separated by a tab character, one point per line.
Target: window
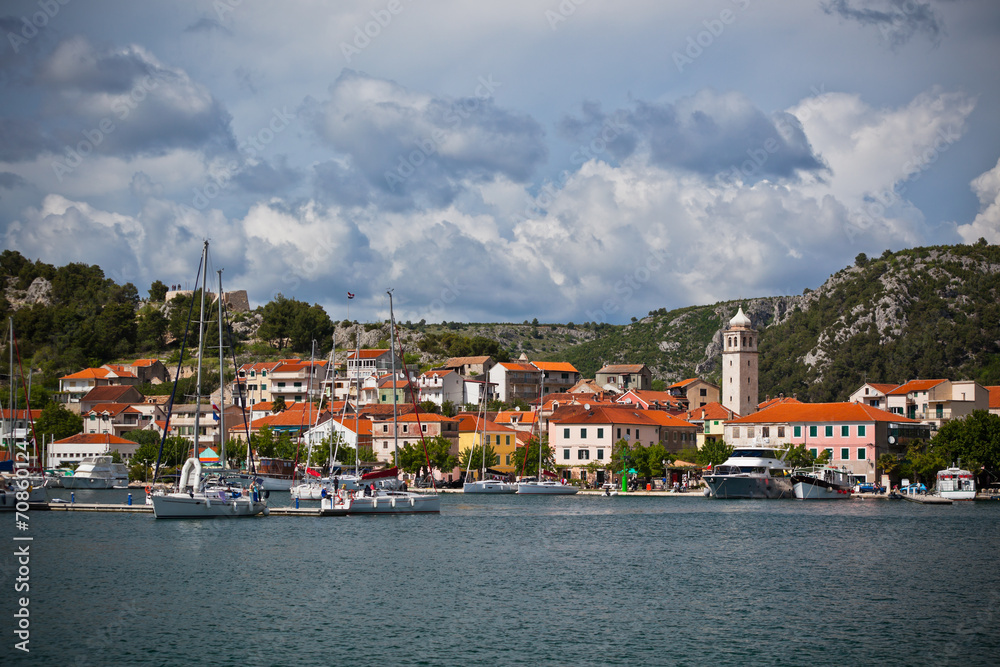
829	454
506	436
385	428
600	433
508	460
828	431
263	387
736	431
583	433
939	411
796	431
406	428
749	431
619	434
765	431
583	454
862	453
385	445
298	384
845	454
781	431
703	392
845	431
423	427
600	454
812	431
566	454
566	433
861	430
263	374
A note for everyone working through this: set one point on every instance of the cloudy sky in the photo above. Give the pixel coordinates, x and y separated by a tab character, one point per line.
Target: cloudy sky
581	160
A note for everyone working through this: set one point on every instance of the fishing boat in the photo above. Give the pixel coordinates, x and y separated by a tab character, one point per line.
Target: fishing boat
199	496
755	471
97	472
821	483
954	483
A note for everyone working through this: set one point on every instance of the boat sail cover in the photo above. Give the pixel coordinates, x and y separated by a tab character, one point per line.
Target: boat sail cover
379	474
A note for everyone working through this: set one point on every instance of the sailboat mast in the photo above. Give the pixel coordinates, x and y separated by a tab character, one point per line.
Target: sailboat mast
392	357
357	401
222	385
201	334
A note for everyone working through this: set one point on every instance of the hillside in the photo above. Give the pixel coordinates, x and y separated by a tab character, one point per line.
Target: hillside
923	312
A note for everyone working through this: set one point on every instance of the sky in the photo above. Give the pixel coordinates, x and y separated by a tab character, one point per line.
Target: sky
569	160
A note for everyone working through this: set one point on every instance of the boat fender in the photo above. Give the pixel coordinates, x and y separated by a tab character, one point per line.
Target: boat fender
411	501
374	503
234	504
208	501
392	503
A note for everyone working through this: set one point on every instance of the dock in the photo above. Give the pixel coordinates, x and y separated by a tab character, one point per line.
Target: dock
926	500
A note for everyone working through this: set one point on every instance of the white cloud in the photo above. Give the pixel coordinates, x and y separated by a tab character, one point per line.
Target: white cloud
987	223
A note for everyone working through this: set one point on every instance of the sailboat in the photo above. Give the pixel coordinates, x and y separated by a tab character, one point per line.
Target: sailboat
197	496
541	486
369	500
483	485
23	480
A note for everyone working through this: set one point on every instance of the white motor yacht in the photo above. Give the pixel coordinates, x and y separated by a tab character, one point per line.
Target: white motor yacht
956	484
821	483
753	471
97	472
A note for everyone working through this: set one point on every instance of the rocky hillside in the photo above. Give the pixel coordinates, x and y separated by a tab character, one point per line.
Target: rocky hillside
923	312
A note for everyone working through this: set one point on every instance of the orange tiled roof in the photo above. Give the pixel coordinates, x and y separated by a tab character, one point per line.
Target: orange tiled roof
454	362
367	354
425	417
915	385
519	366
622	368
713	410
113	409
524	416
602	414
649	396
472	423
20	413
107	394
87	374
666	419
143	363
784	413
882	387
777	400
439	372
364	425
684	383
556	366
994	396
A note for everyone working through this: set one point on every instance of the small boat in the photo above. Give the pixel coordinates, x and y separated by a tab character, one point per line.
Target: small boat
753	471
97	472
821	483
10	487
380	501
955	483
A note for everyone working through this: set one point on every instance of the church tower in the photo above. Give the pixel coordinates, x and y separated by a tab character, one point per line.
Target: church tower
739	366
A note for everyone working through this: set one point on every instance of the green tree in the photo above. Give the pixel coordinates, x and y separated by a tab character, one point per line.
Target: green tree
798	456
472	458
157	291
529	460
975	440
278	405
714	452
151	330
448	409
56	423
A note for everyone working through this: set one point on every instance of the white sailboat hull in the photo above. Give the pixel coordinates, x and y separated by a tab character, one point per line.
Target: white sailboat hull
393	502
489	486
545	488
8	497
201	506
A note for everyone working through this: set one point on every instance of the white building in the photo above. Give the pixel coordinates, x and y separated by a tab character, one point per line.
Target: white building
739	365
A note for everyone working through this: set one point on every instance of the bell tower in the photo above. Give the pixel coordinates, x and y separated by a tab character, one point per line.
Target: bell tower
739	365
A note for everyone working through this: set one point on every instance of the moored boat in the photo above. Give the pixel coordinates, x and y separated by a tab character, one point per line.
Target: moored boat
755	471
97	472
821	483
955	483
546	487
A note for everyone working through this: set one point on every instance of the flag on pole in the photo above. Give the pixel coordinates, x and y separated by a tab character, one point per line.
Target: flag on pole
215	414
350	295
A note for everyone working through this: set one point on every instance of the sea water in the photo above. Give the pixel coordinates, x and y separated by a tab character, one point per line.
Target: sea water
517	580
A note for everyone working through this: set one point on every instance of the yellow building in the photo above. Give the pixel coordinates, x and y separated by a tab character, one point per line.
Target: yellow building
502	439
712	419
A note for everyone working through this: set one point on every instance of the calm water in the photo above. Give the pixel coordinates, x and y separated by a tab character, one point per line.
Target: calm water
520	580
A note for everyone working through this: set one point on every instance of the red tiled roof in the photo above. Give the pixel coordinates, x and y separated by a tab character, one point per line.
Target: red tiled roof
455	362
602	414
471	423
666	419
93	439
20	413
622	368
914	385
143	363
87	374
882	387
822	412
425	417
648	396
113	409
439	372
518	366
107	394
367	354
523	416
777	400
364	425
683	383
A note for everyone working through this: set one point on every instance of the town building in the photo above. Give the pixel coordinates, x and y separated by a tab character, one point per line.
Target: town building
695	392
441	386
75	386
411	428
252	384
935	402
994	400
120	418
516	380
471	367
362	364
502	438
854	433
873	394
622	377
739	365
711	420
74	449
557	376
109	394
652	400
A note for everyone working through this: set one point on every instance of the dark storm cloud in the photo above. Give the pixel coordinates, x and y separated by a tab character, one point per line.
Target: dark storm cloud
708	133
897	20
123	102
10	180
412	145
22	140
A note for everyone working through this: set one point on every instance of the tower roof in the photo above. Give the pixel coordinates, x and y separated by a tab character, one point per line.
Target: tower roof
740	320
